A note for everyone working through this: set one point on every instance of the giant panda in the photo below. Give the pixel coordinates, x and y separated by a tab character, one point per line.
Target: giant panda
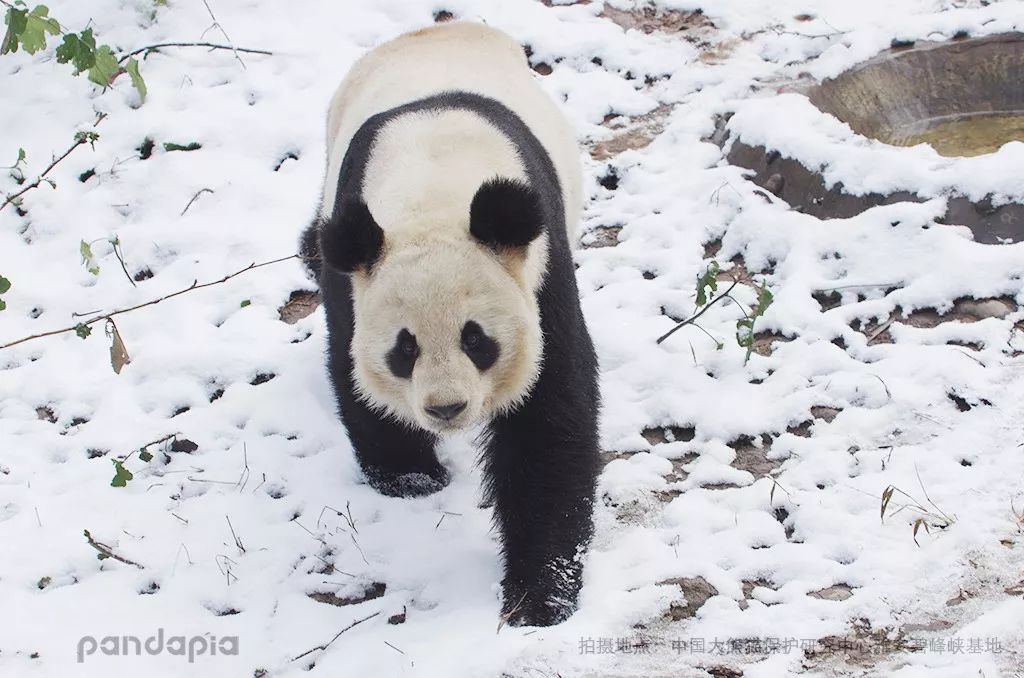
442	247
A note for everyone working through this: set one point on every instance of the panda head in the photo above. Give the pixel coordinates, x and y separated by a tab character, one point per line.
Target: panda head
446	331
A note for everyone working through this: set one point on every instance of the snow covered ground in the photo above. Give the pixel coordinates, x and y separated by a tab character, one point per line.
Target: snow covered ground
739	530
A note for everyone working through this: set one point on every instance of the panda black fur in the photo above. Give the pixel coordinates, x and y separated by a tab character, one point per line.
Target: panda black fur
442	248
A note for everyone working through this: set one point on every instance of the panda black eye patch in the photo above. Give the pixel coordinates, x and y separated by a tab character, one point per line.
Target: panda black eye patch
479	347
402	356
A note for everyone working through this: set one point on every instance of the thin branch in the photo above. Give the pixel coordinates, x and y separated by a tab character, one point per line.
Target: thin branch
217	25
194	198
107	552
208	45
116	245
14	197
326	645
105	316
691	319
896	285
238	542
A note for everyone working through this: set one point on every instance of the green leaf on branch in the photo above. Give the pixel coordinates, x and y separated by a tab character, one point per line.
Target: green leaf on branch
83	330
86	137
106	67
245	302
88	260
5	285
78	49
709	280
145	455
745	327
764	300
28	29
121	475
137	82
16	20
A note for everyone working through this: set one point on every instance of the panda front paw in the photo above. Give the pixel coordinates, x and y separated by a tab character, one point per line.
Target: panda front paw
417	484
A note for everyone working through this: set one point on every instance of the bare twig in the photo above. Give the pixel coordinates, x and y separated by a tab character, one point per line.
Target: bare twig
359	548
116	245
216	24
881	328
105	316
16	197
321	648
693	318
194	198
107	552
508	615
225	567
208	45
238	542
863	285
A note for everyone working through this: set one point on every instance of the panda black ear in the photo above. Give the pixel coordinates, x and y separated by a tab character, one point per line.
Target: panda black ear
505	213
351	239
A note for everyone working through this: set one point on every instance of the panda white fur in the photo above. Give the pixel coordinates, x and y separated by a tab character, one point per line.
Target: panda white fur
442	248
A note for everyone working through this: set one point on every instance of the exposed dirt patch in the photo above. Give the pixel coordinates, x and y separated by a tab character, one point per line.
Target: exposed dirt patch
754	459
374	590
724	672
650	20
748	590
657	436
828	300
836	592
711	249
965	310
764	341
822	412
862	646
876	333
696	591
719	52
603	236
301	303
637	133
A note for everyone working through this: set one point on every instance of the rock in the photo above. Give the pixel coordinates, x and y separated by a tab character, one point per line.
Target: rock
696	591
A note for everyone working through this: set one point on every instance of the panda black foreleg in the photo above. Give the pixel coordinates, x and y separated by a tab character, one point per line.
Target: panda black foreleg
541	469
397	460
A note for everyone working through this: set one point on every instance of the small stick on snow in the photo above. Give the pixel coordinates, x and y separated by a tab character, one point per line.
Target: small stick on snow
107	552
15	197
695	316
878	332
238	542
208	45
216	24
194	286
326	645
194	198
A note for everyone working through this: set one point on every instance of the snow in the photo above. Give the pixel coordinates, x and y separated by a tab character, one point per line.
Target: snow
273	460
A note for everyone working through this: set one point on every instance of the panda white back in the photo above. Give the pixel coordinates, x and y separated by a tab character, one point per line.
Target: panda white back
448	57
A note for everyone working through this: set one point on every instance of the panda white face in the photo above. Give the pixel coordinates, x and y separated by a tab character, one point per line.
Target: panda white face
446	334
446	330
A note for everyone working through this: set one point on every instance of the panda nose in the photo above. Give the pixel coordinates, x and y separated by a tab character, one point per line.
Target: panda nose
446	412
